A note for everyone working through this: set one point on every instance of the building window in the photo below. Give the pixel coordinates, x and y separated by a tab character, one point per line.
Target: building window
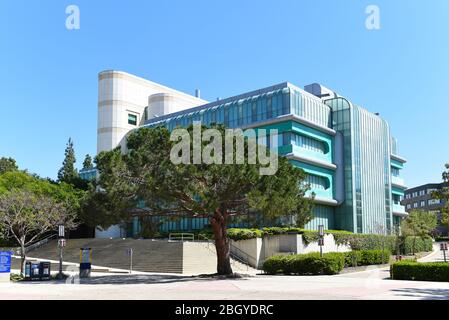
409	206
423	203
422	192
414	194
132	119
415	205
433	201
429	191
395	172
316	182
407	196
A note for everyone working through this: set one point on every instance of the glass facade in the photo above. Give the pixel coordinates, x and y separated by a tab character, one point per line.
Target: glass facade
307	127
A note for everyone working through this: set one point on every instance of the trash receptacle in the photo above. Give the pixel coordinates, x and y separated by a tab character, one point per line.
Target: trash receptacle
35	274
45	271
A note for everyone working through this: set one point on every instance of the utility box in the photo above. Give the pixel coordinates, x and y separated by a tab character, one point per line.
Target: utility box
85	262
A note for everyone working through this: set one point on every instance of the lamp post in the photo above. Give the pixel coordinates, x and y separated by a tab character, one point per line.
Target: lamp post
321	238
398	237
61	245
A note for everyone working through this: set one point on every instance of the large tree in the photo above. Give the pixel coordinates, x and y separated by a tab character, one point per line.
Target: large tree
8	164
205	189
30	207
419	223
68	172
87	163
443	195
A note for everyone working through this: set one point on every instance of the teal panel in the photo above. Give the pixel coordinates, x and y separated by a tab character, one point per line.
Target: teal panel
317	171
323	215
397	191
396	164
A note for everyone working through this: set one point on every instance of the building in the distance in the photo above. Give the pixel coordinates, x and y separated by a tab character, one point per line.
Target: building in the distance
348	153
421	197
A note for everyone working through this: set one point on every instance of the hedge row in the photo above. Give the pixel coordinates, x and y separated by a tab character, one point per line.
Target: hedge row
418	244
421	271
366	257
305	264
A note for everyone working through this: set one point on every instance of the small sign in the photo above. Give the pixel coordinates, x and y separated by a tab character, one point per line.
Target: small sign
62	243
129	252
5	261
61	231
443	246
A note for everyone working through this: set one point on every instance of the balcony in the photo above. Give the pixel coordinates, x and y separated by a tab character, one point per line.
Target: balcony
398	181
399	210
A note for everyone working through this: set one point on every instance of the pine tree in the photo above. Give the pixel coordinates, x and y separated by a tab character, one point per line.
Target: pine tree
68	172
87	164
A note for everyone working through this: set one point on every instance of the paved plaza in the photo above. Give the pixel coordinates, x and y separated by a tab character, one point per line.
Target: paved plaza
370	284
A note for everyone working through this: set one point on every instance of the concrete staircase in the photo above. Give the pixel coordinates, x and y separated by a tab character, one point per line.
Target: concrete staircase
159	256
148	255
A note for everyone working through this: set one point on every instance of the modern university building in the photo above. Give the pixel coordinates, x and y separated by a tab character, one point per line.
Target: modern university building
349	155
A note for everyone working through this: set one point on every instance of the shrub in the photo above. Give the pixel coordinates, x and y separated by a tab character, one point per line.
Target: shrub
420	244
244	234
366	257
305	264
428	271
353	258
370	257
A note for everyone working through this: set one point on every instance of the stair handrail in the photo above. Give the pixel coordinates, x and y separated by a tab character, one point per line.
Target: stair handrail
181	236
41	242
241	255
209	242
231	254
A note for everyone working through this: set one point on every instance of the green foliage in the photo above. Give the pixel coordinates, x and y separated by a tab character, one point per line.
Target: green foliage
353	258
366	257
305	264
419	223
87	163
15	277
428	271
149	228
8	165
371	242
411	245
68	172
443	195
244	234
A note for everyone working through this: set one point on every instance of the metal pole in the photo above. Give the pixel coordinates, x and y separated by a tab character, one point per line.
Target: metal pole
131	263
60	262
321	251
444	254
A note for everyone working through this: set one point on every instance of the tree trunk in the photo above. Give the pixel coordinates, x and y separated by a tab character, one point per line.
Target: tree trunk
222	245
22	258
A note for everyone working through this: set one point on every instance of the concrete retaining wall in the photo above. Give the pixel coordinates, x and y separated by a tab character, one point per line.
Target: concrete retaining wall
260	249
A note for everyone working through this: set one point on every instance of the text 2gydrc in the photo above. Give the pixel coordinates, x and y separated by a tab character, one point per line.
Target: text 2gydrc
224	309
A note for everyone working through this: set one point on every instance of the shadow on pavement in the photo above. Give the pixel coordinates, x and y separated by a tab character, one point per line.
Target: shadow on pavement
425	294
137	279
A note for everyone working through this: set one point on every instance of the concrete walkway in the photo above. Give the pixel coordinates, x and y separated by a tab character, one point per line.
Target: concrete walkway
373	283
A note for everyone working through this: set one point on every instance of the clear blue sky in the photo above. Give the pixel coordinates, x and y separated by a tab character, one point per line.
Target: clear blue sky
48	75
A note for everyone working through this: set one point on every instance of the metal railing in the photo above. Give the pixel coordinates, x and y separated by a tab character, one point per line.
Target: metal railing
242	257
41	242
181	237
